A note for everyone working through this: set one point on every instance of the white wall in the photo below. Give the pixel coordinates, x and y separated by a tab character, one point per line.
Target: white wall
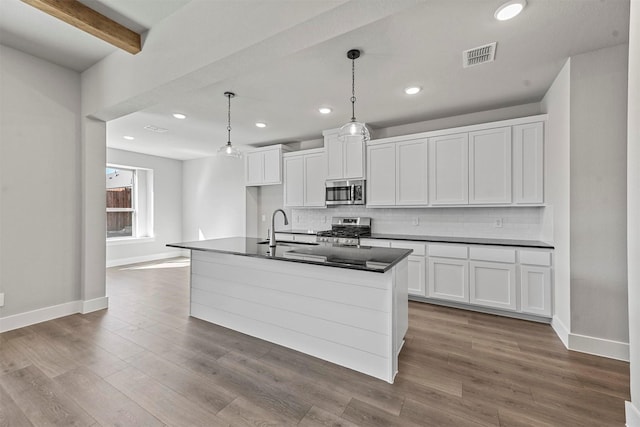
167	209
40	185
214	199
556	224
270	198
598	194
633	212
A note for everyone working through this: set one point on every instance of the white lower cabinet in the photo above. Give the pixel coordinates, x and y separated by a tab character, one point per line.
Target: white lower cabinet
493	284
417	266
417	262
448	279
535	282
497	277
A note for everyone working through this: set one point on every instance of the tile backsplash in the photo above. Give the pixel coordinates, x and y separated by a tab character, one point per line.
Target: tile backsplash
516	222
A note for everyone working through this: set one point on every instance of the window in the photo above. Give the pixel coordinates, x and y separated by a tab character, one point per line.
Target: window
129	204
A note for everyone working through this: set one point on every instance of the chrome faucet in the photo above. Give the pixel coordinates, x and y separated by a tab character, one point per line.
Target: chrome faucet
272	234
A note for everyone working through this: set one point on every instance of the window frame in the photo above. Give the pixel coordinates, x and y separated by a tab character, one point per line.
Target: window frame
133	209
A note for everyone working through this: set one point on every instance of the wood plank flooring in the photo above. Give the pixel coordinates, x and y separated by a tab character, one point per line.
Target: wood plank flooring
145	362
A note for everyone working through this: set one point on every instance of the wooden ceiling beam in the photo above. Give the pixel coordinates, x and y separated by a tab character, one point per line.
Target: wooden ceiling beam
80	16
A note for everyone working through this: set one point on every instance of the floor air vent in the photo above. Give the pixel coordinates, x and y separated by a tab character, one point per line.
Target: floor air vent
479	55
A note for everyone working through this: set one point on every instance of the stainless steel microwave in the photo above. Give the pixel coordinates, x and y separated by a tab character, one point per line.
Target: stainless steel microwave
345	192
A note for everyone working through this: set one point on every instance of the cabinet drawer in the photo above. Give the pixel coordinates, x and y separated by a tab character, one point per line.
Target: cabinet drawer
535	258
448	251
376	243
492	254
418	248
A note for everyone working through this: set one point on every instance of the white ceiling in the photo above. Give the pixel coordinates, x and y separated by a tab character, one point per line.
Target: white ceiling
420	46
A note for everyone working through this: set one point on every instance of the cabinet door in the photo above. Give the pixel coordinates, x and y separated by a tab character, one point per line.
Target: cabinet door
528	163
353	162
493	284
417	270
335	156
411	173
535	284
449	169
294	181
272	166
381	182
314	179
490	166
448	279
254	169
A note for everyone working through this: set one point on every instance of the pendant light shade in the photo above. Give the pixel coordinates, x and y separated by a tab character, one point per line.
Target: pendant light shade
228	150
354	128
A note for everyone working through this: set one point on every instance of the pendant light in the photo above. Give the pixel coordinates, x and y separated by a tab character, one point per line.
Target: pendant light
227	149
354	127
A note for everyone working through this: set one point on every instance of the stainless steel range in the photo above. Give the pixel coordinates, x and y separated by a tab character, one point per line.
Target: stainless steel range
346	231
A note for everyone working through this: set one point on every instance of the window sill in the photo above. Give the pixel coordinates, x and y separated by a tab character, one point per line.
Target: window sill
115	241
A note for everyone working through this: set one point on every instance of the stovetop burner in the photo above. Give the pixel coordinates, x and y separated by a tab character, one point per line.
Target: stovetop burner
346	231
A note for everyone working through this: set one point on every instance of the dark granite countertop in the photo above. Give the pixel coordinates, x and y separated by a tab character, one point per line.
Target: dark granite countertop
467	240
447	239
377	260
300	231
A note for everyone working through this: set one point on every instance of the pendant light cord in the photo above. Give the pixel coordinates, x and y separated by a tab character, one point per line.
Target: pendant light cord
229	120
353	90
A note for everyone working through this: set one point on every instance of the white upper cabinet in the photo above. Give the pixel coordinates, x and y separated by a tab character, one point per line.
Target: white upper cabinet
304	178
314	178
449	169
345	159
397	173
490	166
411	173
528	170
263	166
381	175
293	181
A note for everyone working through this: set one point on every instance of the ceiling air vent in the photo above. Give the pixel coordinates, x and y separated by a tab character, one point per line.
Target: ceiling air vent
479	55
157	129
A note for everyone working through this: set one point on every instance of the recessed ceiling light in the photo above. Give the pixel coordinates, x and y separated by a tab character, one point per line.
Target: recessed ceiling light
510	9
261	124
412	90
128	138
179	116
324	110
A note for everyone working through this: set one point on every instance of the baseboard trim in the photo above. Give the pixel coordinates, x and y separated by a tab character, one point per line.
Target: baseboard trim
599	347
632	414
561	330
95	304
146	258
28	318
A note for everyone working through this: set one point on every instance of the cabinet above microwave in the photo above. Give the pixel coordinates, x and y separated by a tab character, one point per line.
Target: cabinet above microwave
345	159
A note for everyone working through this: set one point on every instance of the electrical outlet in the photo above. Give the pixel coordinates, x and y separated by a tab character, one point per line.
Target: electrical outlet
324	219
498	223
264	217
2	299
416	221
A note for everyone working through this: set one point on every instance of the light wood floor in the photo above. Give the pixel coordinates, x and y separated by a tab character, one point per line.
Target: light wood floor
144	362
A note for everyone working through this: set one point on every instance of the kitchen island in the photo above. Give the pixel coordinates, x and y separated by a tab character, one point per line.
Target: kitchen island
346	305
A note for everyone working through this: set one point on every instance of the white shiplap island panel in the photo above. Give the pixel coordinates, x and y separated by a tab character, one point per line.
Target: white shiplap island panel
353	318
